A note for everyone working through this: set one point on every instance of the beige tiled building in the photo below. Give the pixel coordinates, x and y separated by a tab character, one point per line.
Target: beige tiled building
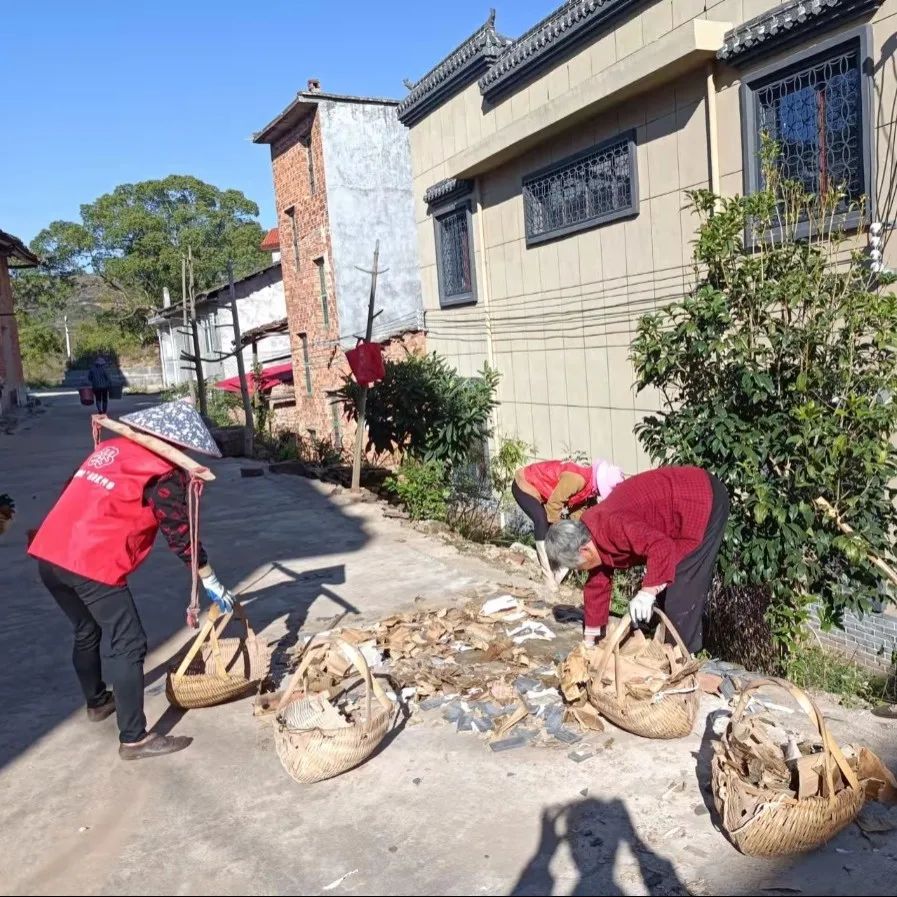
549	174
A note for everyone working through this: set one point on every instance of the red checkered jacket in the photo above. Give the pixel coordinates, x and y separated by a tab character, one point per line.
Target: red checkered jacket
655	518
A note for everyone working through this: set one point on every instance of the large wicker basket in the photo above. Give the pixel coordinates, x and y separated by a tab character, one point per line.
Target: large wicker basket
315	751
671	712
777	824
216	669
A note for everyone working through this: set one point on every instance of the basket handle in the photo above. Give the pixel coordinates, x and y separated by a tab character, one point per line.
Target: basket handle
240	613
204	633
624	626
830	749
354	656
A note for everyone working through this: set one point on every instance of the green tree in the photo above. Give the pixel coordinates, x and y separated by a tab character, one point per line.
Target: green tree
778	372
134	237
424	408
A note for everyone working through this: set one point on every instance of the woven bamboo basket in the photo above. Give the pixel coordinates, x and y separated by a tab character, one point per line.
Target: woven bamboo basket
668	714
783	825
314	751
216	669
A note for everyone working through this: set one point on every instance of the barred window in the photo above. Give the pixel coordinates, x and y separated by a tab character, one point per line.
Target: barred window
454	256
583	191
815	110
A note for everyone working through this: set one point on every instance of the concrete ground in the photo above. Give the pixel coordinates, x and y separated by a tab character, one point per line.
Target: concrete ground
434	812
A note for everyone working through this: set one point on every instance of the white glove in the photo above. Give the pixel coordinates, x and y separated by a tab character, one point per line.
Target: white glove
218	593
641	607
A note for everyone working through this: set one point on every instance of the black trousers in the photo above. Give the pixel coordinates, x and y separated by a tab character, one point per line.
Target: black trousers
101	397
105	621
534	509
686	597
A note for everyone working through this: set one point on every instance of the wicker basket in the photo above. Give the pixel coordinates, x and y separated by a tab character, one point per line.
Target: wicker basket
220	669
668	714
783	825
313	751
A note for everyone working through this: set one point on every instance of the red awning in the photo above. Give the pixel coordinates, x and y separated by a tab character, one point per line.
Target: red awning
270	377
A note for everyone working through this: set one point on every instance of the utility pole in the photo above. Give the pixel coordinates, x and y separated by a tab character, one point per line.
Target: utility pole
249	427
363	400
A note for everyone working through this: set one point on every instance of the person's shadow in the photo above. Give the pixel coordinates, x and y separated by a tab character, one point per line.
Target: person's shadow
594	830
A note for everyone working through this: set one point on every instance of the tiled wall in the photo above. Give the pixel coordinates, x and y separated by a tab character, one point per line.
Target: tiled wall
562	314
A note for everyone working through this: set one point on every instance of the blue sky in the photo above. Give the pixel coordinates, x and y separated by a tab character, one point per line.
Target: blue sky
103	93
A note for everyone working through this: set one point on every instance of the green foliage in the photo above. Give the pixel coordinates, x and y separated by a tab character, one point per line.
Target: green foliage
134	236
422	488
512	454
812	666
778	374
425	409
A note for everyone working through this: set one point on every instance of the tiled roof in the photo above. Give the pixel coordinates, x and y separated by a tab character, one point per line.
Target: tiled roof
556	33
786	22
271	242
13	247
461	67
446	189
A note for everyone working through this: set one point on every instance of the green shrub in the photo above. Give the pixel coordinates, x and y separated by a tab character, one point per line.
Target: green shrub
425	409
812	666
421	487
777	373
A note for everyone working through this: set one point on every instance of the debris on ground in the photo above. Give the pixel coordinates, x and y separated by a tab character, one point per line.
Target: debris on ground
487	668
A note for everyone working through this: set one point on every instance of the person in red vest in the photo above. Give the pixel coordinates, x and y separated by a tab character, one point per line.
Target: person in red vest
672	520
97	534
547	489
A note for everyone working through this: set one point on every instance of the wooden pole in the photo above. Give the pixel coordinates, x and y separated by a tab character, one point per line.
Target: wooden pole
200	377
363	400
194	329
190	384
249	426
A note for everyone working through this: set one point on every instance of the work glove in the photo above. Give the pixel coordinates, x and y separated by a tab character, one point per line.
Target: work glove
218	593
641	607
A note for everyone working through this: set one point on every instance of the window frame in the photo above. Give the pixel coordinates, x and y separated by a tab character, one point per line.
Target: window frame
320	264
290	212
306	361
631	211
759	77
440	213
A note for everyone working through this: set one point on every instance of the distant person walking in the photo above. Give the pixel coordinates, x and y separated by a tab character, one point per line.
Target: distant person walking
99	380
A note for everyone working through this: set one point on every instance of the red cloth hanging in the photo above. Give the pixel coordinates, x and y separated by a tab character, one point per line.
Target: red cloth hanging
366	362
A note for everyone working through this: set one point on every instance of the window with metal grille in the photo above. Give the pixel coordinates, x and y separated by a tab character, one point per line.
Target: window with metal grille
322	282
291	214
583	191
310	157
307	362
454	256
815	108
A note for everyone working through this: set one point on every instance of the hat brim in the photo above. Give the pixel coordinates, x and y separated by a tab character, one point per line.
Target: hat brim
178	443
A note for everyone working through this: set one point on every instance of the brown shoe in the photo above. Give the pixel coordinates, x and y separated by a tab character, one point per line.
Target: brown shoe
154	746
102	711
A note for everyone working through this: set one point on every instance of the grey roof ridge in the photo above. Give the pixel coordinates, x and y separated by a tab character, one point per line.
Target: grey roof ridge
483	45
788	21
560	28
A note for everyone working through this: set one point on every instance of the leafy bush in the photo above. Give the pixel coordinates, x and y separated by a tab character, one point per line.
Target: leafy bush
778	374
421	487
425	409
812	666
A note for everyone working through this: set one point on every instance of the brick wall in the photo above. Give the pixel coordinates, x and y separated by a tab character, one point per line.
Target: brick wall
869	640
326	361
311	336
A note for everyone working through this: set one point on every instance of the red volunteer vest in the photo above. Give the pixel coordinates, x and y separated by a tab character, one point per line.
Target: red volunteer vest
100	528
544	475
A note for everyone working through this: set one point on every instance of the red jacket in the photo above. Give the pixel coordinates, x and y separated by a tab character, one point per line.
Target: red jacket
544	476
101	527
655	518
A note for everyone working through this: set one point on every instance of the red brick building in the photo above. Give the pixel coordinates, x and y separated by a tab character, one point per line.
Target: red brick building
342	181
12	378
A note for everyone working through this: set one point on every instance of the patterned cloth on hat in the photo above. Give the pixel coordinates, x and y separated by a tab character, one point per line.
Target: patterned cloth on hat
176	422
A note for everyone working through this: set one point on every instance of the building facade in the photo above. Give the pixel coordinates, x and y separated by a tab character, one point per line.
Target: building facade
260	305
13	253
342	182
550	170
